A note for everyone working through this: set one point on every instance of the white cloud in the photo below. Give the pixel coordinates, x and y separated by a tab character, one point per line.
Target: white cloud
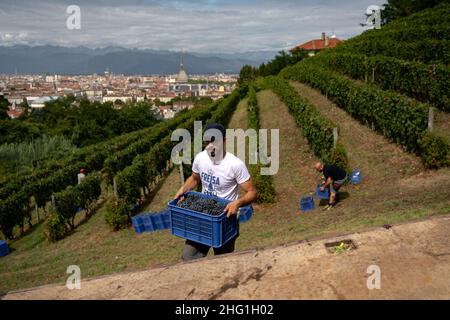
14	38
209	26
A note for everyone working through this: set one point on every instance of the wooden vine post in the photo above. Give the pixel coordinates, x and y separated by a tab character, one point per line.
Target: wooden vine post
335	137
115	188
430	119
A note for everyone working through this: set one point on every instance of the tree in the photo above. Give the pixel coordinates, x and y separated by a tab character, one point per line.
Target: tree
14	131
157	102
281	61
396	9
4	107
247	74
25	107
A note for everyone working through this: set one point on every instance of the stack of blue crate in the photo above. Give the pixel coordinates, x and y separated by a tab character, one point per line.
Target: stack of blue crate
149	222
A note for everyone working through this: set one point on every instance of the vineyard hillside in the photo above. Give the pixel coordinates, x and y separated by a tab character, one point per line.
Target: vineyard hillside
378	103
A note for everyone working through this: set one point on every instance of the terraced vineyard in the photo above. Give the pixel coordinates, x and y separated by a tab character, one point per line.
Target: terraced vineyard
377	89
404	73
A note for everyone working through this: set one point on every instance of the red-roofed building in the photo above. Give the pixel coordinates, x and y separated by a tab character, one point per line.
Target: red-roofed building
314	46
14	114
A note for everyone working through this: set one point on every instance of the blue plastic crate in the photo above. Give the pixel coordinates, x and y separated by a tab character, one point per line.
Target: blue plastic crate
322	194
355	176
139	228
138	224
4	249
213	231
157	222
149	222
307	203
245	214
137	220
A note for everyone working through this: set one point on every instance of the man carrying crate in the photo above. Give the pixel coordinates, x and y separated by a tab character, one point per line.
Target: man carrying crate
221	174
335	177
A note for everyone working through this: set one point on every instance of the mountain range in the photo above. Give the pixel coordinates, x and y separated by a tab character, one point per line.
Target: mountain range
49	59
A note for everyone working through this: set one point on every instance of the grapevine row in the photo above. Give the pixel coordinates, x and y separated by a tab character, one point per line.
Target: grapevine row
317	129
263	183
426	83
145	168
16	197
401	119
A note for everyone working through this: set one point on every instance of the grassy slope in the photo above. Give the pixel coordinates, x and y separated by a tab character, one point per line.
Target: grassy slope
99	251
93	247
395	187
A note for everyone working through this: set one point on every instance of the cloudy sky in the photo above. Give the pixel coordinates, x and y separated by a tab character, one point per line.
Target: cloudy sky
193	25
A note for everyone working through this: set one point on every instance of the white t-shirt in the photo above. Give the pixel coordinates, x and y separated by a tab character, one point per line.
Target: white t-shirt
81	176
221	179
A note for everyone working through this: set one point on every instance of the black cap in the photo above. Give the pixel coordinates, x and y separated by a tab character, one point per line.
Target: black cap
216	126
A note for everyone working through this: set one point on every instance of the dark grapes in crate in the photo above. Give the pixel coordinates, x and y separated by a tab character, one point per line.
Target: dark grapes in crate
199	204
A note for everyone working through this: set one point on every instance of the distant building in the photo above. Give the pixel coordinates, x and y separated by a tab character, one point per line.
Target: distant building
14	113
181	87
167	112
40	102
182	105
182	75
115	98
316	45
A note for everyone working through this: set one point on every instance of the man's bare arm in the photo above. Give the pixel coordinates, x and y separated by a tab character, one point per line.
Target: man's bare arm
190	184
327	183
250	193
249	197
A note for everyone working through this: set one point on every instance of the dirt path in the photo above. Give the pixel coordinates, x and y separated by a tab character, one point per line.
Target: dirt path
239	118
239	121
295	176
165	192
305	270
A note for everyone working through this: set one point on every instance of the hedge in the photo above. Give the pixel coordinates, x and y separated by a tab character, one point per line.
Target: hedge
145	168
401	119
93	157
57	175
423	36
67	202
263	183
426	83
426	51
317	129
434	150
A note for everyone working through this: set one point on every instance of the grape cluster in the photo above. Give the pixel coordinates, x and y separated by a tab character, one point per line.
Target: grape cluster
199	204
